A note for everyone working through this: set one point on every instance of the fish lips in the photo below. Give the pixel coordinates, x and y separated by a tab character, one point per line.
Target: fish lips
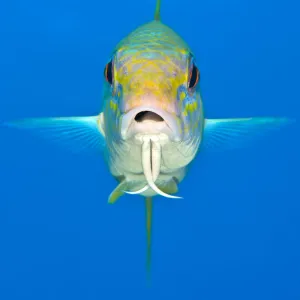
150	120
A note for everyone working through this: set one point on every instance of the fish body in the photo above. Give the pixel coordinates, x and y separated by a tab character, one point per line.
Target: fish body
152	124
151	69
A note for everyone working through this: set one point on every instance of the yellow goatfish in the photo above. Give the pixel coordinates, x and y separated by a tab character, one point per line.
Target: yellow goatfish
152	124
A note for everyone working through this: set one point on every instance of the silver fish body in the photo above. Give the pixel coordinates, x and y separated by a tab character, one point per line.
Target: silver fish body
148	97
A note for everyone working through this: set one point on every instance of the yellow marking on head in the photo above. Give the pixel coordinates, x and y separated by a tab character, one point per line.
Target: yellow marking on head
182	96
159	76
186	129
183	51
113	105
190	108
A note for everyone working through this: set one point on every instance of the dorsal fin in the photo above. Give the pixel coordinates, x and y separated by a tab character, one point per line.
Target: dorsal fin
157	11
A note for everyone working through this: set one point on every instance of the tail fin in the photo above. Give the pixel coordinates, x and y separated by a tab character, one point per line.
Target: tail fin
157	10
148	202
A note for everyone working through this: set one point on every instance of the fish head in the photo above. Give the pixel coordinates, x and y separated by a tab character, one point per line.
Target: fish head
151	92
152	116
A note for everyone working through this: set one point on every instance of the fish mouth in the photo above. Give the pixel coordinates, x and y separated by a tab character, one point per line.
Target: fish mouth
148	120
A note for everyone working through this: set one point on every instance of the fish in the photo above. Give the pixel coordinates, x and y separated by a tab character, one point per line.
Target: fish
152	124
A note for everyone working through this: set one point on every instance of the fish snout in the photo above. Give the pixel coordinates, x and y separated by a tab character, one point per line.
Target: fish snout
149	120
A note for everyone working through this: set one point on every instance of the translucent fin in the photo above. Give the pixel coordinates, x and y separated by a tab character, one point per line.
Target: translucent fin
78	134
117	192
157	10
148	202
221	134
170	187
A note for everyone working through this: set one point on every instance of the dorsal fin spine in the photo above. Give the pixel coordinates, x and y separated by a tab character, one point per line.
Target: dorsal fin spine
157	10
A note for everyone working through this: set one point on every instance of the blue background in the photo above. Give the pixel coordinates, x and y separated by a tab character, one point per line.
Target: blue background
236	233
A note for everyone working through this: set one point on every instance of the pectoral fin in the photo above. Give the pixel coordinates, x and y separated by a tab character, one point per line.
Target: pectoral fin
78	134
170	187
117	192
235	133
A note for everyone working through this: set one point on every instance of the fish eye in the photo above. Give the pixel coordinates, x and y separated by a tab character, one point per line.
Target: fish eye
194	77
108	72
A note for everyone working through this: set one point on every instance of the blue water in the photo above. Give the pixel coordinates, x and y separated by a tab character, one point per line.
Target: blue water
236	233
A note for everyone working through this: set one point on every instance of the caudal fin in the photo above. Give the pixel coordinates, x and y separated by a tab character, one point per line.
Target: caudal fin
148	202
